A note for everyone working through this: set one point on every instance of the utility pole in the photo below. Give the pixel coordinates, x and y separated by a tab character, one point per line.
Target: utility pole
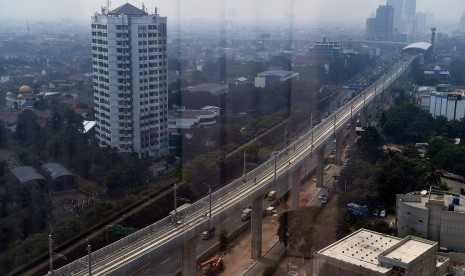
210	198
285	134
50	253
311	120
175	199
334	126
345	185
275	165
311	148
243	172
89	258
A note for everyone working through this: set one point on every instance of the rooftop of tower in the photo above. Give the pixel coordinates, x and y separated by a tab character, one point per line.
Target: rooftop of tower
127	9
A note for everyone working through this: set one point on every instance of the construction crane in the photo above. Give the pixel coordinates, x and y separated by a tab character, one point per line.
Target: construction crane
212	266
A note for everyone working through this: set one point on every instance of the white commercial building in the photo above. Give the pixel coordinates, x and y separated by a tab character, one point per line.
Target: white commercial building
269	77
367	253
188	118
448	102
130	80
437	216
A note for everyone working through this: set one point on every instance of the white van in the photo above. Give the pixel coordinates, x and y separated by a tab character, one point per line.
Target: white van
246	213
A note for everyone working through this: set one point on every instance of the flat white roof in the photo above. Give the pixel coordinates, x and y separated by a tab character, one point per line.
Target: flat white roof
446	199
408	251
361	248
279	73
418	45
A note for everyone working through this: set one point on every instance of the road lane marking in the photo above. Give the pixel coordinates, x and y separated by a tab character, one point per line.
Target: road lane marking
165	260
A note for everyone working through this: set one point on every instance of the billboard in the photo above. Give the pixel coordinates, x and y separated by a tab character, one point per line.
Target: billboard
454	97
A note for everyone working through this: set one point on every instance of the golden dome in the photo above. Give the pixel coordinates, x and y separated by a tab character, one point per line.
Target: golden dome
25	89
9	94
20	97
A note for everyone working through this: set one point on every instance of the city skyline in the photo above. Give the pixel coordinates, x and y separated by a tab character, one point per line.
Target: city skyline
240	10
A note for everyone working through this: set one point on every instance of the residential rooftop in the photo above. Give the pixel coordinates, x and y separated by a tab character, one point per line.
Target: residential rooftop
421	200
362	249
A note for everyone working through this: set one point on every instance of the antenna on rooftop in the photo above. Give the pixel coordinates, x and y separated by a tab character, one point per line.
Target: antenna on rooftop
106	9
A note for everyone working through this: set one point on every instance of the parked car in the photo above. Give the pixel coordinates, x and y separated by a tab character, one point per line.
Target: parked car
375	212
322	196
382	213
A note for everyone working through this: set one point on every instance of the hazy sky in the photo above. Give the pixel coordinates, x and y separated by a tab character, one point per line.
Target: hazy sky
313	10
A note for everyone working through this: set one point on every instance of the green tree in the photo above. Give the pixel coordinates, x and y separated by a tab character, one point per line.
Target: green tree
223	238
283	229
27	128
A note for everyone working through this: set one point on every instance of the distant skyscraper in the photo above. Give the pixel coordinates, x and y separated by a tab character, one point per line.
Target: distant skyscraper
462	23
380	28
398	6
420	21
130	80
410	7
371	28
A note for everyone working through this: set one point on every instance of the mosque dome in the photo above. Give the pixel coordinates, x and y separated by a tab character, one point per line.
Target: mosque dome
25	89
9	94
20	97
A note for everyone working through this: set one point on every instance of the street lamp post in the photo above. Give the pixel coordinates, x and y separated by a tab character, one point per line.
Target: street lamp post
106	232
210	200
176	198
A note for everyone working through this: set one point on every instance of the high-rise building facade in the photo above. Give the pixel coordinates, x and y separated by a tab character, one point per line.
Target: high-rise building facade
410	7
381	27
398	6
462	23
129	55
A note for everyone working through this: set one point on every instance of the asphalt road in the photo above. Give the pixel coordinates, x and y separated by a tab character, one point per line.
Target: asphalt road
169	263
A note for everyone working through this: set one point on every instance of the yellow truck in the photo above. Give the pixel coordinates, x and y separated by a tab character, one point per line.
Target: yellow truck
271	195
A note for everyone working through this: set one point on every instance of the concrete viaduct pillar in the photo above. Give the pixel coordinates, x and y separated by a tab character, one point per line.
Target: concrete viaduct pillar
364	117
353	129
320	166
256	228
295	189
189	257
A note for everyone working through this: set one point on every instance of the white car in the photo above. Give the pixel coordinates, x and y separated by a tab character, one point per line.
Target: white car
382	213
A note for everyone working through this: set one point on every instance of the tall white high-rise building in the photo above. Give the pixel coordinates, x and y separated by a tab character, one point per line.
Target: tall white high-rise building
130	80
398	6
